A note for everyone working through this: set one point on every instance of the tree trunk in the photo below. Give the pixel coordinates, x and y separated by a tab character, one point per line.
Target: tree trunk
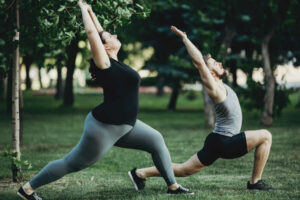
174	95
27	60
59	85
267	116
226	43
16	168
68	92
40	77
2	85
160	86
210	117
9	90
21	107
233	71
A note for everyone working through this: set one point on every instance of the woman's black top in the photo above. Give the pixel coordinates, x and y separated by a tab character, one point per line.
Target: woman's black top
120	88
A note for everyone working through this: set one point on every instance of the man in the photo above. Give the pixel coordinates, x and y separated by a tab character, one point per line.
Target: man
225	141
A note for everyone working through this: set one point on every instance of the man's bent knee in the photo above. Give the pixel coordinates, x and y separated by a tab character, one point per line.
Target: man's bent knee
267	136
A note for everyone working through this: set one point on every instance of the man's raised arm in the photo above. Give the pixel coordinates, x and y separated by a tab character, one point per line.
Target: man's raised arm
197	60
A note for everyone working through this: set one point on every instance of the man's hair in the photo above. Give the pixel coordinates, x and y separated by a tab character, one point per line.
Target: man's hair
206	57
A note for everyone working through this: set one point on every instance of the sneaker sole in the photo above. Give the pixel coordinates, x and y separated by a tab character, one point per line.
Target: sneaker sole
133	182
20	195
181	193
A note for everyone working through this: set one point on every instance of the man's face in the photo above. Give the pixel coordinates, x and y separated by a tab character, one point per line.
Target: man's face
215	67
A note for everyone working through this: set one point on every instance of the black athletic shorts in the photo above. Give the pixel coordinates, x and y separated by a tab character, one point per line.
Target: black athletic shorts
220	146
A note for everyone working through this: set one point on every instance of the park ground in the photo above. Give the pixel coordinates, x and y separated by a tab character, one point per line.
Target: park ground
51	131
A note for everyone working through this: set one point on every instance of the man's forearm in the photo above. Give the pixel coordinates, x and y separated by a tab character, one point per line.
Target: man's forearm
194	53
199	63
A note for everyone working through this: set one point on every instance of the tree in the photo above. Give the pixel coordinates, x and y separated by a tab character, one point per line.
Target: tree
15	102
27	61
72	51
274	12
2	85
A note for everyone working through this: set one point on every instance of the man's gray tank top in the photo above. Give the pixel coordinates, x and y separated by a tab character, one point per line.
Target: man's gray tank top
228	115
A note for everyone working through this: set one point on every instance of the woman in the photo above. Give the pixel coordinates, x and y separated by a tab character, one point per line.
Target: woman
111	123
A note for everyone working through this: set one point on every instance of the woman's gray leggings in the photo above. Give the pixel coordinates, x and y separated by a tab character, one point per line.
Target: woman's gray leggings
97	139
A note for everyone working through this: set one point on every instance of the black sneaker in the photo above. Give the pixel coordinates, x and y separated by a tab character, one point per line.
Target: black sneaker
23	195
139	183
180	190
259	185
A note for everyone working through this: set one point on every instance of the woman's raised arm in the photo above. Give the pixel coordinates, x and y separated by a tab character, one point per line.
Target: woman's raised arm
95	20
100	56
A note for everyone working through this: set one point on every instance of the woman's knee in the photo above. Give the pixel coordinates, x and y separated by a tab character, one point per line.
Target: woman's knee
158	143
74	167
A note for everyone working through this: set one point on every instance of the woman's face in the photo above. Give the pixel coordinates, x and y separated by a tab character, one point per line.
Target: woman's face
111	41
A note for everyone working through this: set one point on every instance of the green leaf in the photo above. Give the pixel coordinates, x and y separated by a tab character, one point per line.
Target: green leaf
61	8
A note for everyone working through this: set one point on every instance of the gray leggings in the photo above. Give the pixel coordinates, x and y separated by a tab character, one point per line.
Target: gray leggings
97	139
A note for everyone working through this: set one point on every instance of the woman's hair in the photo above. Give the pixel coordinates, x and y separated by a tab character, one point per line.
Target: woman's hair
101	37
93	68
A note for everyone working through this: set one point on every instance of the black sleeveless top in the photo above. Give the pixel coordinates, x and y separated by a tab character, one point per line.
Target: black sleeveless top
120	88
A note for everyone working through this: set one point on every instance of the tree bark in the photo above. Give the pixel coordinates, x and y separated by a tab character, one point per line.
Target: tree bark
40	77
9	90
210	117
21	108
174	95
16	168
27	60
233	71
68	92
2	85
59	85
160	86
226	43
267	116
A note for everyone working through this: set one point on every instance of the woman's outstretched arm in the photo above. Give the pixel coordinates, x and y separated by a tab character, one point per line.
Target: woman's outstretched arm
100	56
95	20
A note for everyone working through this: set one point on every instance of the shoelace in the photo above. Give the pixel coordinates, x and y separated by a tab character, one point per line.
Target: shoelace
261	182
182	188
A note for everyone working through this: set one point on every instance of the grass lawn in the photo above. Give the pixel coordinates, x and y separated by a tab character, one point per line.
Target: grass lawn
51	131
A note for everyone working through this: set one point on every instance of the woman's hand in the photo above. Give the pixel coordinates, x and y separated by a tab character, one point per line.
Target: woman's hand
178	32
80	3
84	5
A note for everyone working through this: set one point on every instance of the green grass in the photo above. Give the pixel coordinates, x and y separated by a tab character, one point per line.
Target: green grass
51	131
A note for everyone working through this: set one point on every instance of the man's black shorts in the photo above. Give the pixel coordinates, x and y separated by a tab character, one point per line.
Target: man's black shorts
220	146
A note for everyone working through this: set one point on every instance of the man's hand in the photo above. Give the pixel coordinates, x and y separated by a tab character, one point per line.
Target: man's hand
178	32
